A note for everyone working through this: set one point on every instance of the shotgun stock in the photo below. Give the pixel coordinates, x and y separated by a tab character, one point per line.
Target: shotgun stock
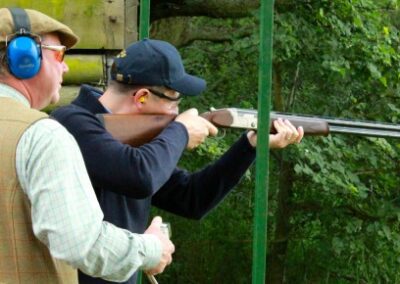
138	129
135	129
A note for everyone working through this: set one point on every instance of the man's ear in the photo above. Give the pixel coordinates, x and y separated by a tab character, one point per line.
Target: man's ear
140	97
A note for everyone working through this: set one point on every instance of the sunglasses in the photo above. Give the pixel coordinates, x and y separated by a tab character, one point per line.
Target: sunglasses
177	98
59	51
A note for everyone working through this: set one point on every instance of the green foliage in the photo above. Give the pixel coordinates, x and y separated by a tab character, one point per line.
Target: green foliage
344	226
351	42
335	58
350	212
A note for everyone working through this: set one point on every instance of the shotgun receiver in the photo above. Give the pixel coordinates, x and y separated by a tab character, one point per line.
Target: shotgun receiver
138	129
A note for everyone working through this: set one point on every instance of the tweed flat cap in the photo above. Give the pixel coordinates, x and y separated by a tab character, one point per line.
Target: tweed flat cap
40	24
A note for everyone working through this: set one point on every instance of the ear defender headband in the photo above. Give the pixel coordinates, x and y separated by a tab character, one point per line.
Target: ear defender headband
24	54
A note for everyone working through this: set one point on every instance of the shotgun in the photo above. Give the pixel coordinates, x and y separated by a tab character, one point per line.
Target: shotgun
138	129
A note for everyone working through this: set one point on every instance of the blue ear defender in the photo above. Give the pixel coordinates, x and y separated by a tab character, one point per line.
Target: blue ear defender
24	57
24	54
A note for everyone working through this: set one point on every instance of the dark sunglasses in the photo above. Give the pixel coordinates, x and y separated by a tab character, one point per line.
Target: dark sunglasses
164	96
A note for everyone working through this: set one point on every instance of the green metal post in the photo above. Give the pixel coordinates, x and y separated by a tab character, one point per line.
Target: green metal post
262	163
144	28
144	19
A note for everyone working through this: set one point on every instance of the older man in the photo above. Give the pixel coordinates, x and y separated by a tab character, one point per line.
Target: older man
51	222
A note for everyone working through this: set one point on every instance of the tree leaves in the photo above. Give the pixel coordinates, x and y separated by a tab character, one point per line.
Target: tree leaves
336	58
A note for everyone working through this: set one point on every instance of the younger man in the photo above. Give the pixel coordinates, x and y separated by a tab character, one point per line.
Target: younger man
149	77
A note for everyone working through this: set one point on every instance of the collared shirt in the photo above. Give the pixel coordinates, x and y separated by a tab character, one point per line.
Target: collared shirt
66	216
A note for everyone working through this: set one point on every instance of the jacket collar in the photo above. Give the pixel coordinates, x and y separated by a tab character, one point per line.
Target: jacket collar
9	92
88	99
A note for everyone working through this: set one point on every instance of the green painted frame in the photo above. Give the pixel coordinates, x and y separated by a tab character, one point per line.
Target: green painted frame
262	162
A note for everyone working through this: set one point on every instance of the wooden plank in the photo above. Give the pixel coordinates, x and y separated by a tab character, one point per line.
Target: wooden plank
131	20
100	24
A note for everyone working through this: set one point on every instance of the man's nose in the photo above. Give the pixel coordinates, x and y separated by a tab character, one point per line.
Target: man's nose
65	67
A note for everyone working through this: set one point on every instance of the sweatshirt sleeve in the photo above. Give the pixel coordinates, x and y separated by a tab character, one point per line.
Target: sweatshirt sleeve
136	172
193	195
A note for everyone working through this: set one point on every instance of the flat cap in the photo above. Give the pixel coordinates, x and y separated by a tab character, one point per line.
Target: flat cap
40	24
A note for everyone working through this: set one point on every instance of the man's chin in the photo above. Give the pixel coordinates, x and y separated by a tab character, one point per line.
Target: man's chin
55	99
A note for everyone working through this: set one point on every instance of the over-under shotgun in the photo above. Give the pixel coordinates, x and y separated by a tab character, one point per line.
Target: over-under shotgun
138	129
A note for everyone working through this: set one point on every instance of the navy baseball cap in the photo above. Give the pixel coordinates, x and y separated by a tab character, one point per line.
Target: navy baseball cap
152	62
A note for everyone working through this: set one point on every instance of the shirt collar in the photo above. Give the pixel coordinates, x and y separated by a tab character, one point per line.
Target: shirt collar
9	92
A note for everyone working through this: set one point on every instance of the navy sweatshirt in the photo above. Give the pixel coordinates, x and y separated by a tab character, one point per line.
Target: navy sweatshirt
128	180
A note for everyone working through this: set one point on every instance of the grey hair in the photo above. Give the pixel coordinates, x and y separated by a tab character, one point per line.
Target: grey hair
3	61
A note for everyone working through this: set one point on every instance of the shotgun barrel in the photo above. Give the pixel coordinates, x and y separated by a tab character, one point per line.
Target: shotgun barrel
357	127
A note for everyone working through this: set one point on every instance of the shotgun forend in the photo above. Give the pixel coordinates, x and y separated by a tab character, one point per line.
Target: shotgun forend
313	125
247	119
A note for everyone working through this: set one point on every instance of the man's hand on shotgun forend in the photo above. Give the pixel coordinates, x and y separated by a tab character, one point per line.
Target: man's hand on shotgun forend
168	247
286	134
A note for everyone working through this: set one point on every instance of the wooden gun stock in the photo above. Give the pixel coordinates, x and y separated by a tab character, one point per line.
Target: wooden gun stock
135	129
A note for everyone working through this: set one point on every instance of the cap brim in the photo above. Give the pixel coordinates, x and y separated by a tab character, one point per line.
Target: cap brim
189	85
